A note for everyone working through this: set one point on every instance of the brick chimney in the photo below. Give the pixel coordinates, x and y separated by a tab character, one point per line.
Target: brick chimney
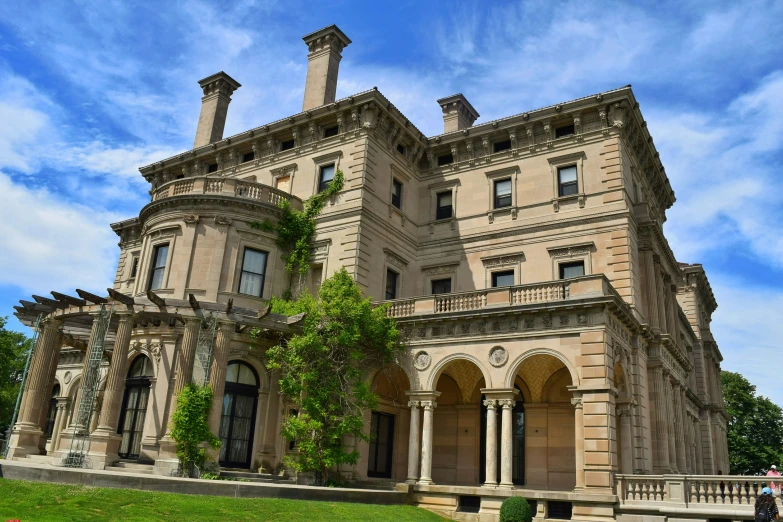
326	47
218	89
458	113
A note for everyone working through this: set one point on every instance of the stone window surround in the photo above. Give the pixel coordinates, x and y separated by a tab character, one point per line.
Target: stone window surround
566	160
497	175
570	254
503	263
397	264
447	270
256	241
403	179
323	161
163	236
281	172
437	188
132	255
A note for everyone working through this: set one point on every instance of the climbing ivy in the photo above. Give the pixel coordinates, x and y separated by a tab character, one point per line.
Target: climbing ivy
190	430
295	228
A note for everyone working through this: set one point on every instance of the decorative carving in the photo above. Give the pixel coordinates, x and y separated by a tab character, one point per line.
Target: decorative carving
191	219
506	404
395	260
255	237
465	328
506	260
581	318
222	220
564	320
490	404
577	402
440	270
530	323
498	356
422	361
67	377
421	332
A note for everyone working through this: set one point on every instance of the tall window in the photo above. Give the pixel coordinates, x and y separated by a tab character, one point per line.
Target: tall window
566	180
159	256
134	266
569	270
391	284
325	177
396	194
444	208
503	278
503	193
251	280
441	286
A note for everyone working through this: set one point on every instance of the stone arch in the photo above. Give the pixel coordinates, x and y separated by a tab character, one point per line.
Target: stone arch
555	389
261	371
514	367
441	366
621	380
137	348
390	382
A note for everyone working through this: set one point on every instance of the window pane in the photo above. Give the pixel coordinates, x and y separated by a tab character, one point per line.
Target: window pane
441	286
255	261
567	174
397	194
248	156
161	253
560	132
391	284
327	173
232	373
568	270
331	131
444	199
503	187
246	376
157	278
445	160
499	146
251	284
503	278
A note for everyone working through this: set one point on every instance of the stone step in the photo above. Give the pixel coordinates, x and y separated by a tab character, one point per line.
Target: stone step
376	485
43	459
133	465
254	477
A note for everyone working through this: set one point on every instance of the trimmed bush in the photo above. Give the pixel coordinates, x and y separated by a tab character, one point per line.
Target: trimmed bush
515	509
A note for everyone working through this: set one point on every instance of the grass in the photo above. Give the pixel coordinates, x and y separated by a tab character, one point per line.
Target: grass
27	501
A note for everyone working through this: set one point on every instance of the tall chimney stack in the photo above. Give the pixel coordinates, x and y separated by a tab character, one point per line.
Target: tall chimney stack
458	113
326	47
218	89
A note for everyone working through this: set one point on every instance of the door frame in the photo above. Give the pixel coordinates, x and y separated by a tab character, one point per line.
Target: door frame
389	451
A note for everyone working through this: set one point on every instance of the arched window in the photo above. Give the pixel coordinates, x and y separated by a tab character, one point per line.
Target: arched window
238	418
51	414
134	407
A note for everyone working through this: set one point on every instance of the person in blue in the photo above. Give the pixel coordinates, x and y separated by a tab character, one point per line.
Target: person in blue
766	508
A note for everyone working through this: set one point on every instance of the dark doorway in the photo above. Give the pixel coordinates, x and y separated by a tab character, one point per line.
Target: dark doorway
381	445
518	434
134	407
238	419
51	413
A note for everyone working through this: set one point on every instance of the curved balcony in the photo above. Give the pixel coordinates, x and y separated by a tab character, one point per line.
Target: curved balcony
230	187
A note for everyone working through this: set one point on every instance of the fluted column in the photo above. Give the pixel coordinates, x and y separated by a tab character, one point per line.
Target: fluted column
61	422
37	391
661	421
491	478
413	444
682	461
507	444
115	381
626	438
217	374
579	441
187	354
671	415
662	315
651	289
426	443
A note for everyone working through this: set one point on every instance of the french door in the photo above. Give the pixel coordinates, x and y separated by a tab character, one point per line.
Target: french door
132	419
381	445
237	424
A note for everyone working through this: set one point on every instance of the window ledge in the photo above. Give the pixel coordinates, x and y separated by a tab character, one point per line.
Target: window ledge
512	210
394	210
556	202
451	221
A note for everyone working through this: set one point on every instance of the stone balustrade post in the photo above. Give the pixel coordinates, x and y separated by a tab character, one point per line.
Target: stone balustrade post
492	442
413	443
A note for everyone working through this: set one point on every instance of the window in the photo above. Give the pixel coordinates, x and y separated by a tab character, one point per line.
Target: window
396	197
567	130
441	286
566	181
503	193
248	156
326	177
212	167
401	149
159	255
134	266
331	131
503	278
445	159
500	146
283	183
287	145
180	176
391	284
251	280
444	209
569	270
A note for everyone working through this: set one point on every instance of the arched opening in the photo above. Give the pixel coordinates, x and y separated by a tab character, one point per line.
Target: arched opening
51	413
134	407
389	425
518	442
623	421
238	418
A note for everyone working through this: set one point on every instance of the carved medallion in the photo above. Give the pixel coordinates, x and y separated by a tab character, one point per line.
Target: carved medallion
422	361
67	378
498	356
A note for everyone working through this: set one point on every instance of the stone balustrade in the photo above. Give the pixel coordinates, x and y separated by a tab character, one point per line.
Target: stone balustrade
530	294
231	187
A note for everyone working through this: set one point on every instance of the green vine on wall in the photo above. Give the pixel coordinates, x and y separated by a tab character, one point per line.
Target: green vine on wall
295	228
189	427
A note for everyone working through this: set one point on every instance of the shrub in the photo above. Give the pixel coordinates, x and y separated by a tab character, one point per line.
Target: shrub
190	429
515	509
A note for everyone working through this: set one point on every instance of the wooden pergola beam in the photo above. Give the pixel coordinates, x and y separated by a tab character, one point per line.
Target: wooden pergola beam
72	301
50	302
122	298
193	302
95	299
156	299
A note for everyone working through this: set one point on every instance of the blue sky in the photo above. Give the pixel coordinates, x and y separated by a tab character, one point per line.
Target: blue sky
90	91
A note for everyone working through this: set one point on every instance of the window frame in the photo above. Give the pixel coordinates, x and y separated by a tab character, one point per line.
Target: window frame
396	285
567	264
287	145
212	167
331	131
248	156
432	282
574	159
495	144
440	160
153	268
438	195
562	185
134	265
496	204
399	184
242	271
319	163
571	125
494	176
505	272
569	254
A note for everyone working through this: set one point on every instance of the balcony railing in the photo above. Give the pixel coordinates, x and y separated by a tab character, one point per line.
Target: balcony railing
531	294
231	187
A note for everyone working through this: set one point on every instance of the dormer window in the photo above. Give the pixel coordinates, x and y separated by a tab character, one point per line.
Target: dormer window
500	146
445	159
566	130
331	131
287	145
248	156
212	167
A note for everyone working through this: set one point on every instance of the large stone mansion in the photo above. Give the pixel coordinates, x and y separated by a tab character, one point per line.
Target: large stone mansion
555	342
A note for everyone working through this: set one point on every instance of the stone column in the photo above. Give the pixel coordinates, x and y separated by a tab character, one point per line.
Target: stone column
671	417
413	444
662	315
579	441
491	479
61	422
186	355
58	418
626	436
661	439
679	403
651	309
115	381
507	444
217	374
426	444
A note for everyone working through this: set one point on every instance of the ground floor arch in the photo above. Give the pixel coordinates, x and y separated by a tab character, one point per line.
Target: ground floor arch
238	415
386	453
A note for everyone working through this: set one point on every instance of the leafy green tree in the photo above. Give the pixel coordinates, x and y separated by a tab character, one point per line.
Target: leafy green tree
755	428
323	370
13	353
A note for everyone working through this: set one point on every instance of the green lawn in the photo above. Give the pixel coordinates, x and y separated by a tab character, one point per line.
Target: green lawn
34	501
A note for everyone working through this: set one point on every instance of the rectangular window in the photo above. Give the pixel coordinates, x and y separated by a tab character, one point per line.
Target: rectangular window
326	177
248	156
567	130
287	145
503	193
134	266
212	167
159	256
566	180
441	286
396	198
445	160
391	284
251	280
401	149
331	131
569	270
500	146
503	278
444	208
283	183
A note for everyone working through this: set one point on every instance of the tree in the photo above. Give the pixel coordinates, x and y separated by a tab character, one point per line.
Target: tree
323	370
13	354
755	428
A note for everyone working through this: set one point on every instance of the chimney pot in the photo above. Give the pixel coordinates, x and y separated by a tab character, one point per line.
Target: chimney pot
326	47
217	89
458	113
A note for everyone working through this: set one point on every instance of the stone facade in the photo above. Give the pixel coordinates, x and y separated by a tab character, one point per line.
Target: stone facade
555	342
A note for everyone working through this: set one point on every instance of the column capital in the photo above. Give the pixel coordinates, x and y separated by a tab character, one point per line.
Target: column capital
490	404
577	402
429	405
506	404
414	404
500	393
